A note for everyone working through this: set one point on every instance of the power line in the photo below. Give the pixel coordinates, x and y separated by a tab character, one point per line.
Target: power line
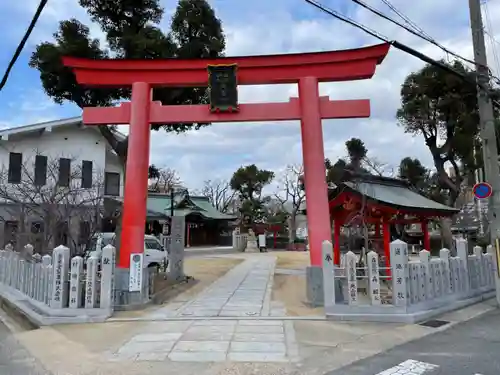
21	45
404	48
406	19
410	30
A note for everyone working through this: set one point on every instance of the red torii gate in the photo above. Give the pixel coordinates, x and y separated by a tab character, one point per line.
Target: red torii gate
306	69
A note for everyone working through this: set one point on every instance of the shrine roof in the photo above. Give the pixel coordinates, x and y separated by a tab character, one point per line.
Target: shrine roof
393	193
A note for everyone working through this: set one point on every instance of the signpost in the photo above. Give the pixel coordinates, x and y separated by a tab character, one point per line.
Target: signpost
482	190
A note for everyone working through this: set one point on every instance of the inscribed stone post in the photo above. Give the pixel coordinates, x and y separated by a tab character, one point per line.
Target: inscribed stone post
176	255
61	257
463	254
31	276
37	290
427	276
352	282
3	265
373	278
491	266
414	268
328	274
455	275
435	265
8	269
478	252
75	289
91	282
14	265
46	262
22	275
50	284
107	277
444	255
400	273
472	263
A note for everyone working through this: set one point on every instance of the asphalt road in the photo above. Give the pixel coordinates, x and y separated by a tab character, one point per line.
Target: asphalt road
15	359
470	348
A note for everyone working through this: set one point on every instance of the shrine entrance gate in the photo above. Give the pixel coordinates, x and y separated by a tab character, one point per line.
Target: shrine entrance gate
307	69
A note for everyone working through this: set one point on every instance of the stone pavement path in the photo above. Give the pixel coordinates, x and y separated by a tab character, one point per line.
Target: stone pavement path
224	334
213	341
245	291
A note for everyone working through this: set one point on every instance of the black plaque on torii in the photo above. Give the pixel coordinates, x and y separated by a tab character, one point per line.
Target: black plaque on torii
223	88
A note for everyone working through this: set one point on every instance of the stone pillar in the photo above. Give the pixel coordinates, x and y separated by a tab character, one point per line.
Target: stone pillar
91	283
46	280
415	290
463	255
107	277
478	252
373	278
75	288
437	281
444	255
328	274
177	248
427	275
352	281
400	273
60	285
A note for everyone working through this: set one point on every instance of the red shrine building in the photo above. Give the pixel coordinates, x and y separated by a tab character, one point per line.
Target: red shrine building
382	203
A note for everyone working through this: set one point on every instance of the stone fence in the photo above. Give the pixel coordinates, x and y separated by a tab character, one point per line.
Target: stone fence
413	288
59	289
239	241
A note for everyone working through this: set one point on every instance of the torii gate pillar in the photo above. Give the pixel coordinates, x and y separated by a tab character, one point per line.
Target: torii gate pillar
306	70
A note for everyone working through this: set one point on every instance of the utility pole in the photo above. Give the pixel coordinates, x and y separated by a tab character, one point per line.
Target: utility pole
487	127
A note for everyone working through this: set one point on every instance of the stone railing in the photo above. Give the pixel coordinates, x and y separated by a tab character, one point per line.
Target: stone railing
58	286
412	289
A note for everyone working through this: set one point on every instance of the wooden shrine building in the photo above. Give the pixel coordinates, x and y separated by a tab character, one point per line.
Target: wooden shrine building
382	203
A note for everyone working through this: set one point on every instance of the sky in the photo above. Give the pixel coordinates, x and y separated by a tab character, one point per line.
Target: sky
266	27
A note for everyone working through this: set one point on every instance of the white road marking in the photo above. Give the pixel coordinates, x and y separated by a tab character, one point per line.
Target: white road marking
409	367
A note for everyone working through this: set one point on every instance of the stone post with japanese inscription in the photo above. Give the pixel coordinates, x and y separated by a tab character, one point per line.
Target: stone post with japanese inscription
400	273
59	293
478	252
46	279
444	255
352	281
328	274
427	276
75	289
373	278
491	266
91	282
463	255
107	277
176	255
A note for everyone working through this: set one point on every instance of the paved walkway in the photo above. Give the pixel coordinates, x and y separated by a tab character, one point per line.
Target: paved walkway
213	341
245	291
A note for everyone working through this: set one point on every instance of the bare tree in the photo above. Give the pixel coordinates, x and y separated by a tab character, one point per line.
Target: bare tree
162	180
51	208
220	194
291	195
377	167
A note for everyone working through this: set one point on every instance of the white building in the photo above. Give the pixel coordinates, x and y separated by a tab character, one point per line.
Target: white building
58	161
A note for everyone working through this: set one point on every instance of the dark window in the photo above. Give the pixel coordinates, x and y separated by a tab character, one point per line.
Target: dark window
86	174
112	184
84	236
64	171
37	227
15	165
40	170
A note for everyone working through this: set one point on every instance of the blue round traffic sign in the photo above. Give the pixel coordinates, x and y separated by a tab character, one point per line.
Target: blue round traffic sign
482	190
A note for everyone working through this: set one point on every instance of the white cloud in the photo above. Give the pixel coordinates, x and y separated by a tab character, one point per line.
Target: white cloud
277	27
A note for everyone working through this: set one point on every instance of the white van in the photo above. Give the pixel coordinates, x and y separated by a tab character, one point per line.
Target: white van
154	253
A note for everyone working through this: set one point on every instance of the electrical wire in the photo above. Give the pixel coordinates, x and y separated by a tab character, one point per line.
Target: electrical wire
412	31
406	19
404	48
22	43
489	27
